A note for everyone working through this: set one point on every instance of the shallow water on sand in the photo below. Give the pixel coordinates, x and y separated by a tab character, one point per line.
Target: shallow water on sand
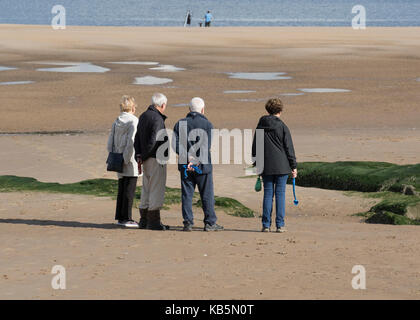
259	75
8	83
167	68
150	80
252	100
2	68
180	105
323	90
238	91
141	63
73	67
292	94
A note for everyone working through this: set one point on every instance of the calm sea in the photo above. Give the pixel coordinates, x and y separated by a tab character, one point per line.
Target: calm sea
225	12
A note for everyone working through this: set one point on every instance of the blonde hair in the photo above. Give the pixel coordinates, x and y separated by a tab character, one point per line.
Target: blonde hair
127	103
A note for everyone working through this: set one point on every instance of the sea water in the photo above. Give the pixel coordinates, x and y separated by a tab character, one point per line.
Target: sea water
226	12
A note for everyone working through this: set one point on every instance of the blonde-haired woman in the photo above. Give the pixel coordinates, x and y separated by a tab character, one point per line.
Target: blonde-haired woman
121	140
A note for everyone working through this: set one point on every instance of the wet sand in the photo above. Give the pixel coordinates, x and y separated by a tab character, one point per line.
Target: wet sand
376	121
379	65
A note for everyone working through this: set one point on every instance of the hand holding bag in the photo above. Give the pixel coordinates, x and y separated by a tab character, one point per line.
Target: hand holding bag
115	160
258	184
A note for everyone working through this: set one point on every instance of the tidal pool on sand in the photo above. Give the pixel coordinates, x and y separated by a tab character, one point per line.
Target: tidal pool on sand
292	94
323	90
3	68
252	100
73	67
259	75
9	83
141	63
167	68
150	80
238	91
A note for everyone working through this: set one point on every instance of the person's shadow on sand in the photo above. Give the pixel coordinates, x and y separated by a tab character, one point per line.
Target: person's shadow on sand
77	224
70	224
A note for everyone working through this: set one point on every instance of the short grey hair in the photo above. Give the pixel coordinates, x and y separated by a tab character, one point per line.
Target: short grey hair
196	104
159	99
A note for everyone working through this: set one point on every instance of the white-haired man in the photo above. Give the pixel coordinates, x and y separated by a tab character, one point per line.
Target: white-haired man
154	173
192	143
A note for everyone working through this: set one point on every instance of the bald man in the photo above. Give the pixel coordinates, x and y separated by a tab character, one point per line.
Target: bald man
192	136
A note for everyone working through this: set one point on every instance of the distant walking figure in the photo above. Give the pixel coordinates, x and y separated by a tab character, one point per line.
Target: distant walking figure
279	162
188	18
121	140
208	18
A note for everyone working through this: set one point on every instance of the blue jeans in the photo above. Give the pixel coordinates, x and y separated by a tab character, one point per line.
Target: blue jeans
274	185
204	182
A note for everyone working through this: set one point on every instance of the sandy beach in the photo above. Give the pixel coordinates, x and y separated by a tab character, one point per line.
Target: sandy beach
376	120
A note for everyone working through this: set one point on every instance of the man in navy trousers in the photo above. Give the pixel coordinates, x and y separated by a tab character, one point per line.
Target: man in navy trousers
192	143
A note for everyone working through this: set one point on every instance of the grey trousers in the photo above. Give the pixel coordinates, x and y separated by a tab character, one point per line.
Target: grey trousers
154	185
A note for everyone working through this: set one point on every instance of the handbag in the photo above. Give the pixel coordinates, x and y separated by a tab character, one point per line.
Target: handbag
258	184
115	160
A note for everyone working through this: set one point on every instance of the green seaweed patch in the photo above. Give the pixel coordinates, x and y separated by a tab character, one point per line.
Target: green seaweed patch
364	176
230	206
109	188
387	217
390	206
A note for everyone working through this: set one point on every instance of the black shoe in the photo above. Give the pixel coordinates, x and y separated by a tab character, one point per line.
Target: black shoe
143	218
153	221
214	227
188	228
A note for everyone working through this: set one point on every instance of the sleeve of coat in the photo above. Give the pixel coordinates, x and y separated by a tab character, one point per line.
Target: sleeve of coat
155	127
210	135
129	147
111	138
288	146
254	145
137	148
175	138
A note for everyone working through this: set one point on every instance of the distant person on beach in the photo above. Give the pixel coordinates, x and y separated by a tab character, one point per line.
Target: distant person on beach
121	140
189	17
208	18
279	162
194	164
154	174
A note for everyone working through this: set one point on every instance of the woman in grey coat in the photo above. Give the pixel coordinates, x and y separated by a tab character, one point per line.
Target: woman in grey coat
121	140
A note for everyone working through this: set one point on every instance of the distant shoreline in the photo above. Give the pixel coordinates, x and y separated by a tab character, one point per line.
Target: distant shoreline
212	27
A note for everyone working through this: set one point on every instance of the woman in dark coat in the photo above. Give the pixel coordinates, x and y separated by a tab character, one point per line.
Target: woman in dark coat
275	163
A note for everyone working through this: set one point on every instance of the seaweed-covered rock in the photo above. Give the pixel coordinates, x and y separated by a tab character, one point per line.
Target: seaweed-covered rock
409	190
413	212
386	217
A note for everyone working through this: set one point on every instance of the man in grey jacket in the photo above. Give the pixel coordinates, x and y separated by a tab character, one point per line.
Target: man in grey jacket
146	143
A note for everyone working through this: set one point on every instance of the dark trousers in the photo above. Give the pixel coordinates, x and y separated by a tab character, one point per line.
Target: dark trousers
204	182
126	193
